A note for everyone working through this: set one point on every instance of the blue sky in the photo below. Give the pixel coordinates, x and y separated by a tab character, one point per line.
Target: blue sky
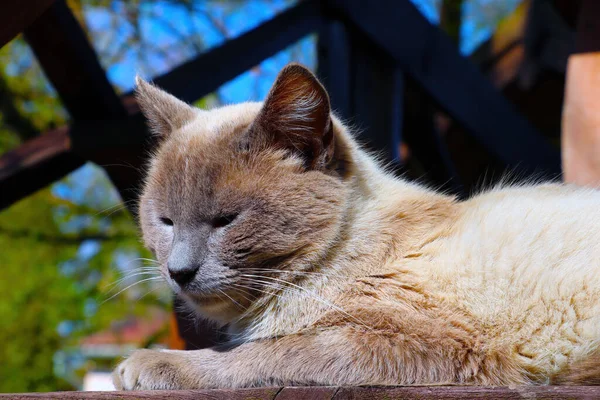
170	26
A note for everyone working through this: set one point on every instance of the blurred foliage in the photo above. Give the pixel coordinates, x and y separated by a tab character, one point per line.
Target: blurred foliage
59	260
51	292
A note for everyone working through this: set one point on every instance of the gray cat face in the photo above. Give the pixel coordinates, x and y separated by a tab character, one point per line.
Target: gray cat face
238	196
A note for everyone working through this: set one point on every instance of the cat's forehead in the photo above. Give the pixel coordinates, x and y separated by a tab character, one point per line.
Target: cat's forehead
201	149
226	120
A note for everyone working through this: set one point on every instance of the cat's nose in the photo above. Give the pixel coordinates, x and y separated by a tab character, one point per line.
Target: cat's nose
184	275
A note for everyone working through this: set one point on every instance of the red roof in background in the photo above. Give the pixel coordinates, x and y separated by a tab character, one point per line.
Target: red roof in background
133	330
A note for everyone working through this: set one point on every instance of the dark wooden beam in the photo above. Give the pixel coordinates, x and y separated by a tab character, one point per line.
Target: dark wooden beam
16	15
377	90
364	84
35	164
334	65
207	72
336	393
457	85
118	145
70	63
429	159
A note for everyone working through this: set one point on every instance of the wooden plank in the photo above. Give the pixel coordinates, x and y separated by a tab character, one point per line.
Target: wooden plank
121	147
70	63
207	72
365	86
16	15
307	393
218	394
569	10
469	392
455	83
581	121
35	164
342	393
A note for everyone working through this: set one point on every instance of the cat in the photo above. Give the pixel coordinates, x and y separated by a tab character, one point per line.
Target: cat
270	219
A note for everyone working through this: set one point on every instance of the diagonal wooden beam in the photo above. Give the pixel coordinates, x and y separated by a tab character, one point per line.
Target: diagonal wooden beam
34	164
454	82
70	63
50	156
16	15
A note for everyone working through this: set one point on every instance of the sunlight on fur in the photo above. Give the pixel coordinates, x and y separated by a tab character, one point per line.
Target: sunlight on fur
270	220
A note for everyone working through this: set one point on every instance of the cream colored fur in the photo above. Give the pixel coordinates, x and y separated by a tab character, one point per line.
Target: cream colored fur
415	288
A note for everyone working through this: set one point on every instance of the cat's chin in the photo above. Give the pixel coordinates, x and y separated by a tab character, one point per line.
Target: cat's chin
204	300
212	307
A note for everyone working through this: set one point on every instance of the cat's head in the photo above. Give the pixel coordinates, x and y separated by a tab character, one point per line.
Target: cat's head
239	196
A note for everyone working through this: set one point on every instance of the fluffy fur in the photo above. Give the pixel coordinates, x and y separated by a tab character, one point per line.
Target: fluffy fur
327	270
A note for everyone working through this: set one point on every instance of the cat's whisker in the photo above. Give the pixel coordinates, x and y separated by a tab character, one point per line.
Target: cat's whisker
129	276
148	292
154	278
307	273
145	270
268	285
249	310
149	260
230	298
257	289
243	294
115	208
314	296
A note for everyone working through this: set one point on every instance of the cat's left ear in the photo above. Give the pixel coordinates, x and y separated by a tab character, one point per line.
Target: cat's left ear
296	116
165	112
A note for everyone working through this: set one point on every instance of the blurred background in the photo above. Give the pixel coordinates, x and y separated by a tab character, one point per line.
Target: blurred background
77	289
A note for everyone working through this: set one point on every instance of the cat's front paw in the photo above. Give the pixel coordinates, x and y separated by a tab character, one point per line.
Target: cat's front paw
152	370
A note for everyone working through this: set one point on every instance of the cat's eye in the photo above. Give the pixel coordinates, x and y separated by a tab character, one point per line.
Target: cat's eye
223	220
166	221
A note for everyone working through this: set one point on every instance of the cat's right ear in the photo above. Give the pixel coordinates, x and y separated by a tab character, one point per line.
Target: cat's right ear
165	112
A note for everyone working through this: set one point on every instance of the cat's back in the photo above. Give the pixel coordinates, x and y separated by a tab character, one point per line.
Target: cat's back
525	261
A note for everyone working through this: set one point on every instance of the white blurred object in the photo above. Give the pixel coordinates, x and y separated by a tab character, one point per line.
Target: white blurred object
97	381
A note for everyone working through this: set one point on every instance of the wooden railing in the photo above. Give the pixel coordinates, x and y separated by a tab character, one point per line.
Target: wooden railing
336	393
